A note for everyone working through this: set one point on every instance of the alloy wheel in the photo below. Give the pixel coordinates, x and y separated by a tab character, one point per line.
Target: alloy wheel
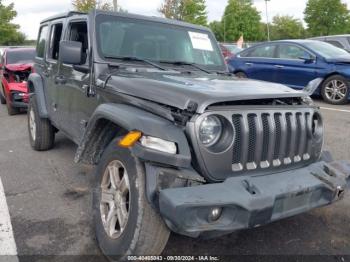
115	197
336	90
32	124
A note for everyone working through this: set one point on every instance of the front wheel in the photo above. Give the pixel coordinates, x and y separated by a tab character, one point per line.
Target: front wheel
11	110
125	223
2	95
335	90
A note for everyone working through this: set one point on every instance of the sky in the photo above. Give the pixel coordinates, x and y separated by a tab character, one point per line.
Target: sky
30	13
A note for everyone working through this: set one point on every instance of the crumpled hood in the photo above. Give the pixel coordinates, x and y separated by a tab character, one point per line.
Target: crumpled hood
179	90
20	87
18	67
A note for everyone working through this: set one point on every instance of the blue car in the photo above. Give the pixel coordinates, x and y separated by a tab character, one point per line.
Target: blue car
295	63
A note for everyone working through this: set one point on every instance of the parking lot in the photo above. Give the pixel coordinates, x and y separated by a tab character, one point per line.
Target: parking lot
49	201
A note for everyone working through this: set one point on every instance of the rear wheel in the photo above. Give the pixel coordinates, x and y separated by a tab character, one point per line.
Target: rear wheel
41	132
241	75
125	223
335	90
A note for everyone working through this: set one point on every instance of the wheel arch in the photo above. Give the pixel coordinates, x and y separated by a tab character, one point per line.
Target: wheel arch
36	86
111	120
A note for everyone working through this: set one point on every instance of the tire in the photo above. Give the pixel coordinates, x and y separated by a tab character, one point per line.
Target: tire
11	110
241	75
2	99
144	232
41	132
2	95
335	90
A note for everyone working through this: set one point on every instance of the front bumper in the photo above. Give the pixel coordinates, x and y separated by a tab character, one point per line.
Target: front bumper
248	202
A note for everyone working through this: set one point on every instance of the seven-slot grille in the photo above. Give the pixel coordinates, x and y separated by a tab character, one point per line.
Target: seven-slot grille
271	139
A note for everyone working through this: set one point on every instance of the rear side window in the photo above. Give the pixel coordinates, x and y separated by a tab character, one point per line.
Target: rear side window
335	43
55	38
40	49
266	51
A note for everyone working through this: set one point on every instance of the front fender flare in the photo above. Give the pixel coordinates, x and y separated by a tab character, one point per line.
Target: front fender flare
36	86
131	118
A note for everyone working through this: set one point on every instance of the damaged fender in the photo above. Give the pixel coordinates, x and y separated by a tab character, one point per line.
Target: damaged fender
131	118
36	86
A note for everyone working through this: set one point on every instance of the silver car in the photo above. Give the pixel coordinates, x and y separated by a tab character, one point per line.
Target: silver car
341	41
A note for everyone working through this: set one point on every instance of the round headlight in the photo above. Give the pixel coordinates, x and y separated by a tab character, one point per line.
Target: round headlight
210	130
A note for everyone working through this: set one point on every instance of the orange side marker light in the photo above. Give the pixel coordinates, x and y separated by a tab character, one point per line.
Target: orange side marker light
130	139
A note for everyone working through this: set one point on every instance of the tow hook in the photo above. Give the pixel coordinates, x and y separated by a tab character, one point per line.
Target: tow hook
339	193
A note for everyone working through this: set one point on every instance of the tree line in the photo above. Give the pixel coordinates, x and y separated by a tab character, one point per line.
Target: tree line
321	17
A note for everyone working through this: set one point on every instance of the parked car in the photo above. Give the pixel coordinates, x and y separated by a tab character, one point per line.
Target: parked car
229	50
295	63
341	41
178	143
16	65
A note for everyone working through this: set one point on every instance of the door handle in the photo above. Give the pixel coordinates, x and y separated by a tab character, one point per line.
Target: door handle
48	71
249	64
279	66
60	80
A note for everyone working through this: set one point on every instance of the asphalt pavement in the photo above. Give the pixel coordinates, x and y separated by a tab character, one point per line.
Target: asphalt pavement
49	202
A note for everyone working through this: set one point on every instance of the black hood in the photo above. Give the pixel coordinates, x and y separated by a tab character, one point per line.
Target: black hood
180	90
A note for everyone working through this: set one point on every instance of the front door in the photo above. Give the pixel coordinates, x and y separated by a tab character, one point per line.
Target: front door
75	105
296	66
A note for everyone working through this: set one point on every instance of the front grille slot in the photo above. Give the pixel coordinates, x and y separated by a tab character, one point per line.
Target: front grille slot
270	139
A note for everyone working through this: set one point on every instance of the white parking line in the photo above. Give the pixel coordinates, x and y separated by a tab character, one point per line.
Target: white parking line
334	109
7	240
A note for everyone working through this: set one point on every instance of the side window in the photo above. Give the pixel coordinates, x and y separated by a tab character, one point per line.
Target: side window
78	32
55	38
335	43
266	51
40	48
292	52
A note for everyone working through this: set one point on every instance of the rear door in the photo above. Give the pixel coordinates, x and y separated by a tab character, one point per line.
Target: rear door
258	62
55	32
293	69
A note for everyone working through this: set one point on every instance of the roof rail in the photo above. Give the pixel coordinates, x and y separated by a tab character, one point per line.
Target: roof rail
71	13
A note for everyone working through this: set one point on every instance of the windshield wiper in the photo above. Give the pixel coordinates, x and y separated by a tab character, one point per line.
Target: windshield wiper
135	59
180	63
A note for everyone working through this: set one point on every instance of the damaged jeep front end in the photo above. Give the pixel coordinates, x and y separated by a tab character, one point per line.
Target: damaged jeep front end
251	201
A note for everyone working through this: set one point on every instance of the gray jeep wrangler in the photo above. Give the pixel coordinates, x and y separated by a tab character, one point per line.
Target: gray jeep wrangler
178	143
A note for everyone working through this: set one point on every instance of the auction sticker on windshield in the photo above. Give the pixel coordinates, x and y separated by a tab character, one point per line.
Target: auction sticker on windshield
201	41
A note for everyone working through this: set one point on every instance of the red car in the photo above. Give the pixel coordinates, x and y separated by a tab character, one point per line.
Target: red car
15	66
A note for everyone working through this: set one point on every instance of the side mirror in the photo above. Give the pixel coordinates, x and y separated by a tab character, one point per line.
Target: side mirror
71	52
308	59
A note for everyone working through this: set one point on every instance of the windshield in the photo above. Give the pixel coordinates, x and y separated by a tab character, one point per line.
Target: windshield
327	50
20	56
155	41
